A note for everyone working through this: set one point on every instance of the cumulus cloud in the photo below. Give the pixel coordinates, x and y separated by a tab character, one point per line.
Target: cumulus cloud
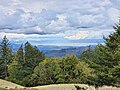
114	14
91	33
74	19
79	35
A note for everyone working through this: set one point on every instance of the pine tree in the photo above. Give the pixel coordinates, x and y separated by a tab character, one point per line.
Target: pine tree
20	55
47	72
109	57
32	56
111	50
104	58
16	69
6	55
25	60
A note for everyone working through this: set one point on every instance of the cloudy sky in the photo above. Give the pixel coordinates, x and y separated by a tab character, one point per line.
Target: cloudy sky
58	22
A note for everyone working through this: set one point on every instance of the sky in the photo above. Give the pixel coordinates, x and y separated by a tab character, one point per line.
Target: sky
58	22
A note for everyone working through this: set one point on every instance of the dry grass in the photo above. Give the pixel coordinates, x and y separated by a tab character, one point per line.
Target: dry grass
108	88
5	85
8	85
64	87
18	89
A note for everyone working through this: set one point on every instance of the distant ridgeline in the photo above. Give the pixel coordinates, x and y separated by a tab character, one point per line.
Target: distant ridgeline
67	51
58	51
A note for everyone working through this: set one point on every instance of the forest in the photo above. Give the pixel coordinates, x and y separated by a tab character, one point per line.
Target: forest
30	67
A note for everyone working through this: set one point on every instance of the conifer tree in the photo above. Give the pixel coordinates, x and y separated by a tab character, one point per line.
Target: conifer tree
25	60
6	55
32	55
111	50
20	55
105	59
109	58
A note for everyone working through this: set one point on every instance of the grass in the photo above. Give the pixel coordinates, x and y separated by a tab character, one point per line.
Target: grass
18	89
8	85
5	85
64	87
108	88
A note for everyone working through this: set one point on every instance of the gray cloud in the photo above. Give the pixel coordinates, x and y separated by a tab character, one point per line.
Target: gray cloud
57	16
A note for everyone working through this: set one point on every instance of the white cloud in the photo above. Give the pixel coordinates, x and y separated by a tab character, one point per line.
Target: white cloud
60	25
79	35
91	33
75	19
72	44
114	14
116	3
12	35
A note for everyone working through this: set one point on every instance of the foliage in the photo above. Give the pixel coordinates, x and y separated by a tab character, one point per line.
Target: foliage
5	57
47	71
105	59
65	70
30	67
25	60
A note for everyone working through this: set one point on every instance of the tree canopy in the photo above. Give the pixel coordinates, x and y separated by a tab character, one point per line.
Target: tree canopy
28	66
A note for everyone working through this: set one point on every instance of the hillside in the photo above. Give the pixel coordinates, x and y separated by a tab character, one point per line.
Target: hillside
65	87
68	51
7	84
57	51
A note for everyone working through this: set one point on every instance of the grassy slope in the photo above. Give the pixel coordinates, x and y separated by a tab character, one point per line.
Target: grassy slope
7	84
108	88
63	87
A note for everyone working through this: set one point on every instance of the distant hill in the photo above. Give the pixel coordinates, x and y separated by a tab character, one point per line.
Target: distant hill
45	48
68	51
42	48
57	51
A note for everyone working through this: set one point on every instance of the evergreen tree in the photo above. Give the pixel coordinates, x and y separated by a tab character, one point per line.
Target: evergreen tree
65	70
24	62
20	55
68	65
6	56
105	58
116	74
47	72
16	70
32	56
110	53
109	58
112	48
